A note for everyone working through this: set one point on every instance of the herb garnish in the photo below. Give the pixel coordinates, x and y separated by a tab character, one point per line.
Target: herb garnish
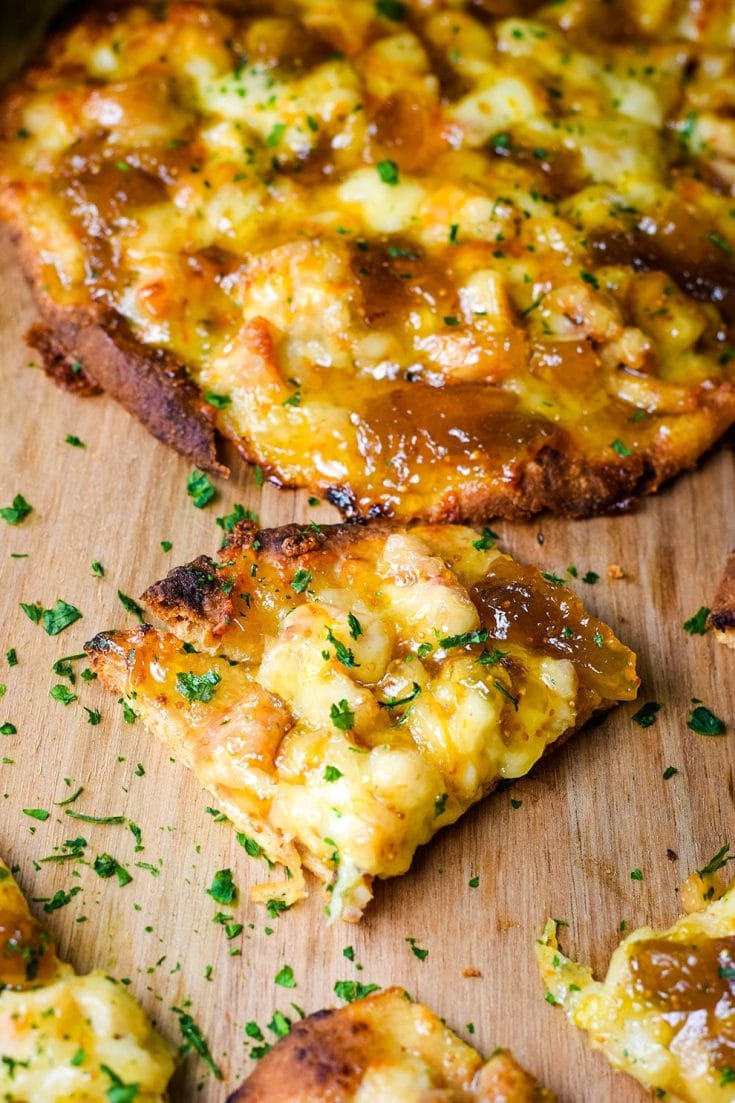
131	605
697	625
646	714
199	488
343	654
394	702
223	888
342	715
17	512
704	722
198	687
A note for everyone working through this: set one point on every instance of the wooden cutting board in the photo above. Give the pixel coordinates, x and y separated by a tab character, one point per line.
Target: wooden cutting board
587	817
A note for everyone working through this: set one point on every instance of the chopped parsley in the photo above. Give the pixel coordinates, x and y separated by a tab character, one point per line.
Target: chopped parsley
106	866
720	242
198	687
223	888
11	657
440	804
199	488
394	702
97	569
331	773
342	653
166	545
720	859
636	875
474	882
75	442
94	717
697	625
61	693
704	722
301	580
217	400
621	449
552	578
646	714
354	626
60	617
342	715
487	541
37	814
670	771
16	513
284	977
417	951
490	658
119	1091
506	693
388	172
8	729
394	10
351	990
194	1039
465	639
591	577
131	605
239	513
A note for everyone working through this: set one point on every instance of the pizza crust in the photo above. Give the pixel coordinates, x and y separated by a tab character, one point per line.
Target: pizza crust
722	614
383	1046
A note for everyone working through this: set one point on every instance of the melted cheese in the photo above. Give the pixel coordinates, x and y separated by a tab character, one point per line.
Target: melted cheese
664	1013
67	1038
385	1049
337	220
375	696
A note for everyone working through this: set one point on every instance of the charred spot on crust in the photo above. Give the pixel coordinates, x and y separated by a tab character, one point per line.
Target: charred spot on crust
191	592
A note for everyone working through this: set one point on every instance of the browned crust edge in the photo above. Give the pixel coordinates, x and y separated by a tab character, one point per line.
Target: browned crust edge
88	349
154	387
722	615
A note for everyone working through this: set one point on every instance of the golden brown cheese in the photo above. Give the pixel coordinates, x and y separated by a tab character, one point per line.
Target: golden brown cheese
665	1013
384	1049
356	688
66	1038
431	262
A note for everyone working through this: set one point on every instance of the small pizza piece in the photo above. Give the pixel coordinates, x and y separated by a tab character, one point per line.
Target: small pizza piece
722	614
666	1011
346	691
66	1038
384	1049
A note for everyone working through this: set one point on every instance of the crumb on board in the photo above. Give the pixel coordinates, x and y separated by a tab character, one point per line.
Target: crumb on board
471	971
615	571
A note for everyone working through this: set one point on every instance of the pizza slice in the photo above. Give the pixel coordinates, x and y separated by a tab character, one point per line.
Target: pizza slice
722	614
66	1038
346	691
384	1049
666	1011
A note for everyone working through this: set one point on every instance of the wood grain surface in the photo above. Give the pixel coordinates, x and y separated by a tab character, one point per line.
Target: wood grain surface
589	814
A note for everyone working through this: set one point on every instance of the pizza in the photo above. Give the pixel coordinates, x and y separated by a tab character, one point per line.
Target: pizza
346	691
432	259
66	1038
722	613
665	1013
383	1048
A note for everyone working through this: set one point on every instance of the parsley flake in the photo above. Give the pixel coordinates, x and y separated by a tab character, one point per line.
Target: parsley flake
16	513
